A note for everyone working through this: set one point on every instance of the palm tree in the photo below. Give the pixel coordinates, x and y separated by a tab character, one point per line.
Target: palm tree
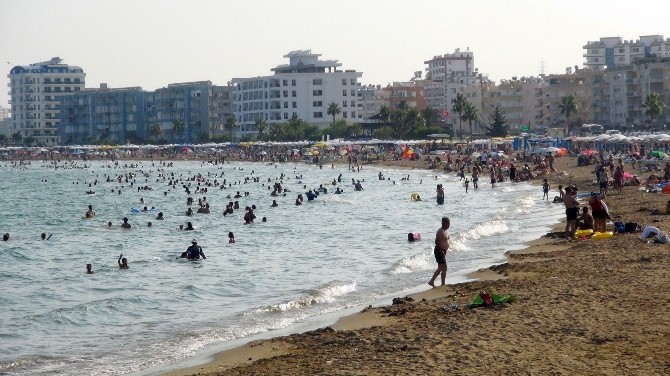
470	114
16	137
429	115
178	127
261	126
459	104
277	131
568	106
654	105
384	114
333	109
155	131
230	123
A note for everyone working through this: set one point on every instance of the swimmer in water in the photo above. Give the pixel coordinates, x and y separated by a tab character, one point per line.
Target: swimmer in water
160	216
231	237
89	269
89	213
125	223
5	237
123	262
189	227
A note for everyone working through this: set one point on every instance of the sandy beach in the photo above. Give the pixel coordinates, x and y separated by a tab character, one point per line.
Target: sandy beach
583	307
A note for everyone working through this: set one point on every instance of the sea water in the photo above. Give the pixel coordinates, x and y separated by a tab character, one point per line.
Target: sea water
310	261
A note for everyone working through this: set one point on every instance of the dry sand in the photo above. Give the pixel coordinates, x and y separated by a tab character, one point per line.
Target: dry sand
584	307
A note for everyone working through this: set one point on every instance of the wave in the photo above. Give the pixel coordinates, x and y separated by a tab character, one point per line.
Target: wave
323	295
421	261
484	229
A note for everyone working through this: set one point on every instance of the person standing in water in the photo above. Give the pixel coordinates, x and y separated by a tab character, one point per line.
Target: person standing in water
123	262
440	194
440	251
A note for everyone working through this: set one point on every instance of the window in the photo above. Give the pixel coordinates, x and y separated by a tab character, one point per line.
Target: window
353	103
353	81
344	92
295	104
344	114
293	83
344	81
294	93
317	93
620	49
285	93
285	104
284	83
317	103
353	114
317	81
353	92
318	114
344	103
286	115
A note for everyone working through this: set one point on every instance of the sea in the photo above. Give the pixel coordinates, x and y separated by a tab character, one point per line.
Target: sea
303	267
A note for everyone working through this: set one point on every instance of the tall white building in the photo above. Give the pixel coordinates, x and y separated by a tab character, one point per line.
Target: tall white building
371	98
611	52
304	87
35	90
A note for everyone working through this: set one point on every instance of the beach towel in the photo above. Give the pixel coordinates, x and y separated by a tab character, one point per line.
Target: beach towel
487	298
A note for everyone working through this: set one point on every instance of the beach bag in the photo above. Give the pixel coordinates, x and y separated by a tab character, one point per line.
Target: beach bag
630	226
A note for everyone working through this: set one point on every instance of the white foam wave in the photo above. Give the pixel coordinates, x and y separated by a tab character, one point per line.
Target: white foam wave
326	294
481	230
524	205
413	263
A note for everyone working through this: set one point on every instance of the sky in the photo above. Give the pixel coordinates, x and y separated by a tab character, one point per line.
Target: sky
151	43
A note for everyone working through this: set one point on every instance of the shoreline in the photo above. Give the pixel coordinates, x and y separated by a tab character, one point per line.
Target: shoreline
582	306
372	316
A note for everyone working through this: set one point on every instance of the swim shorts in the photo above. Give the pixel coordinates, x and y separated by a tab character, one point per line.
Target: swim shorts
439	256
571	213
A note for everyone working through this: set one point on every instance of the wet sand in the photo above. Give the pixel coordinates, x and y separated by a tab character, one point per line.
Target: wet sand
583	307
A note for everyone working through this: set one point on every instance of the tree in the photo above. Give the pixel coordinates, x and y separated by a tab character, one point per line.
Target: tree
155	131
459	104
230	124
384	114
277	131
654	105
499	128
470	114
430	115
333	109
178	128
3	139
28	141
261	126
16	137
568	106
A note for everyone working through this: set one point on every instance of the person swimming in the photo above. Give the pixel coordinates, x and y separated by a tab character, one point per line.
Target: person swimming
89	213
89	269
189	227
160	216
125	223
123	262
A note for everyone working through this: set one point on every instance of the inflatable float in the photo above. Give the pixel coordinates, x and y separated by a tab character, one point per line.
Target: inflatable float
580	233
602	235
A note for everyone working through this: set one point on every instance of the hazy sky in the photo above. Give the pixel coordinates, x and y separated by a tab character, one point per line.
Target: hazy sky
151	43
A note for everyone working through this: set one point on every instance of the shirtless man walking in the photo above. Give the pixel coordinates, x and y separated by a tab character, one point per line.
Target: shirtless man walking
571	212
441	248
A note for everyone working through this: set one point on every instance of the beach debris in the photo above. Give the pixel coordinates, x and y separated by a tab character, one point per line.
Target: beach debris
486	298
404	300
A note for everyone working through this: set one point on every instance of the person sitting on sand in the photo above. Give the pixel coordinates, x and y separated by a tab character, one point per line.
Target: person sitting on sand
585	220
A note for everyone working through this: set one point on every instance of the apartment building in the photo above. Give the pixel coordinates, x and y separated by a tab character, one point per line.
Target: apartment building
411	93
201	106
520	99
35	91
123	115
115	116
612	52
304	88
371	98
